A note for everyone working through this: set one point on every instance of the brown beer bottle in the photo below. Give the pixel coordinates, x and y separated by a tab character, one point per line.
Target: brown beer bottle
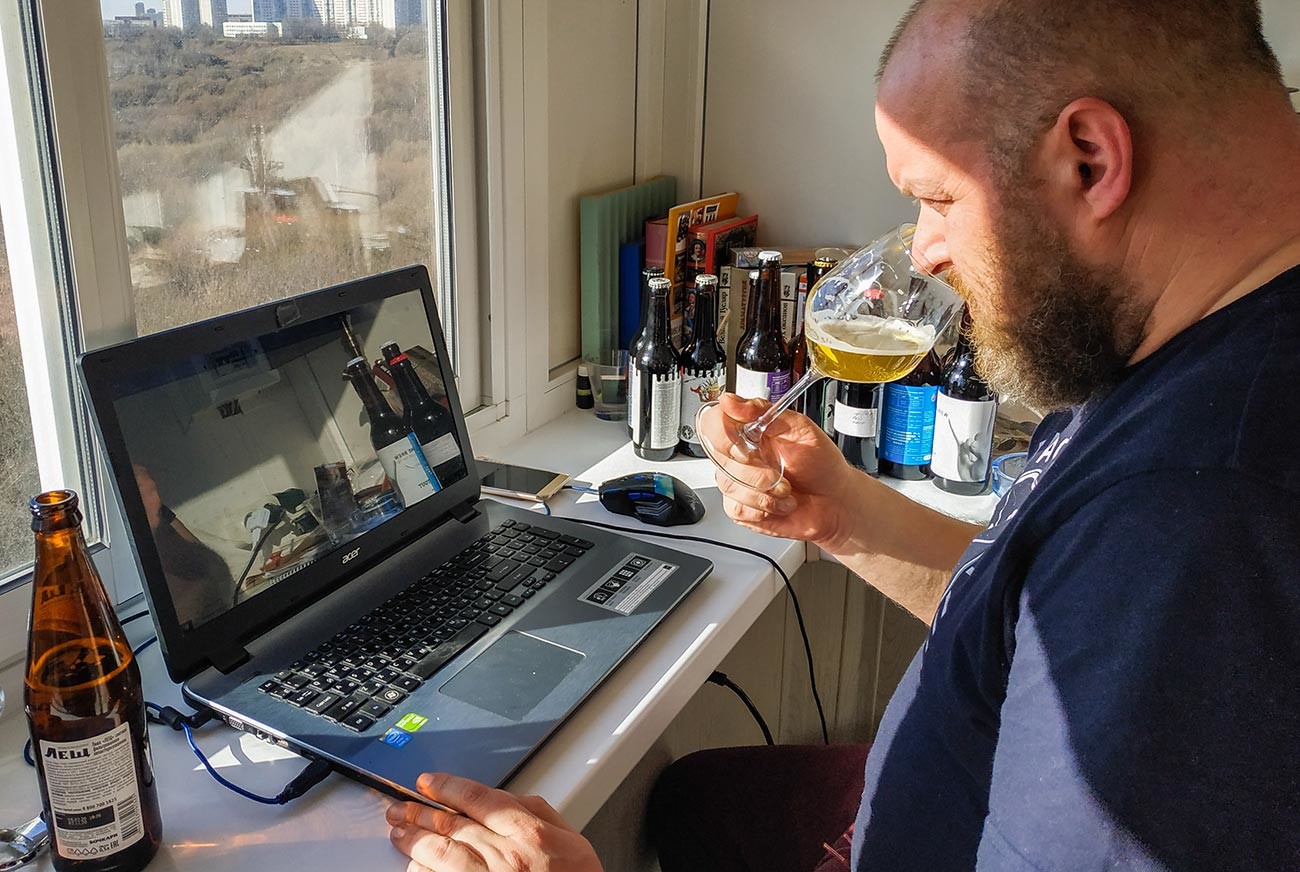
85	707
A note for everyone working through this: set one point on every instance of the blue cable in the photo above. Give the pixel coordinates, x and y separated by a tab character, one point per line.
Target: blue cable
247	794
583	490
145	644
546	509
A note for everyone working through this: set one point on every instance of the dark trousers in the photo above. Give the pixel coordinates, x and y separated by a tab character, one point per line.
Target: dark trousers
760	809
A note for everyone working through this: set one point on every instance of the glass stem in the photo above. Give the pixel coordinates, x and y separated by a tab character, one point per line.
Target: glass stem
753	431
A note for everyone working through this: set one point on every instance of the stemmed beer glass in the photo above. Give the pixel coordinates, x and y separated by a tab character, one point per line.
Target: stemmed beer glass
872	319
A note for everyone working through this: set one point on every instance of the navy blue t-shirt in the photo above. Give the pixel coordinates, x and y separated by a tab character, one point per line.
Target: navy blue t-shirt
1113	677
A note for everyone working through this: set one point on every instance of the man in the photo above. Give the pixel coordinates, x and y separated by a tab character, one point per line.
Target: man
1110	677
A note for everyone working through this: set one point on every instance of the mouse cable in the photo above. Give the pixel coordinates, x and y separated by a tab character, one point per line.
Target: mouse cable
721	679
312	774
794	599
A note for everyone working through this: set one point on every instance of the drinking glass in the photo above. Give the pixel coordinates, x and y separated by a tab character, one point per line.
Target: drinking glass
872	319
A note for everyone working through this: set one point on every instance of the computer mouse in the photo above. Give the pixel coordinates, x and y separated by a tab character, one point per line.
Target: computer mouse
652	498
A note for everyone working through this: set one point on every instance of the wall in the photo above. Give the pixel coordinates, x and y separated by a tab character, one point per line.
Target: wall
591	128
814	170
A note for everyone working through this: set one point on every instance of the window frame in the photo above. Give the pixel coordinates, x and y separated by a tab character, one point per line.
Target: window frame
81	297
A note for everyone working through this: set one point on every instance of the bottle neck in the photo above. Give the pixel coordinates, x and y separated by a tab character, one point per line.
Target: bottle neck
706	317
377	407
965	345
409	385
767	298
659	328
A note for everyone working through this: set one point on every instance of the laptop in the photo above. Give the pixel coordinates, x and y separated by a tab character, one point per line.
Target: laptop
319	564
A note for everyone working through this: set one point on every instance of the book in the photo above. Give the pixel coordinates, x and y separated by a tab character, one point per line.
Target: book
709	250
630	257
791	314
681	219
733	299
656	241
605	222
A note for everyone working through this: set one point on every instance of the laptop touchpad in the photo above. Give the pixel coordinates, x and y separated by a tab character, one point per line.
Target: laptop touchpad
513	675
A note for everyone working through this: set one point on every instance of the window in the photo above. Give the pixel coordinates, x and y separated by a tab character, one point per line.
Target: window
260	159
18	476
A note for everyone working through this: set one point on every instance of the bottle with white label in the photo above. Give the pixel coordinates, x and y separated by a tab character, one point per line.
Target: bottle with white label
85	707
704	364
965	409
857	424
764	364
634	347
429	420
397	447
658	381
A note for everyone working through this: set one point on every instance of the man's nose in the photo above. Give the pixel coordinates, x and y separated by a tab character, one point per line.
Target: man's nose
930	245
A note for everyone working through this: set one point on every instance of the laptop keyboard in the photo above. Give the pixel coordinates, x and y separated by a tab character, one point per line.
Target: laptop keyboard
356	678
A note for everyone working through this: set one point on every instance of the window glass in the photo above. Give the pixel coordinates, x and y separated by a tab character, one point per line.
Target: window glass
268	147
18	476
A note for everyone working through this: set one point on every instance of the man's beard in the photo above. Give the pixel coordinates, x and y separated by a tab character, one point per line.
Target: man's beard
1052	330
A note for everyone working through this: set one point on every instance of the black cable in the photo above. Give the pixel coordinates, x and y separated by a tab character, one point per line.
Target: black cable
252	557
794	599
129	618
720	678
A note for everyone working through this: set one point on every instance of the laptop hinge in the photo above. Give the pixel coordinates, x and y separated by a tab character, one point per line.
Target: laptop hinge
464	512
228	660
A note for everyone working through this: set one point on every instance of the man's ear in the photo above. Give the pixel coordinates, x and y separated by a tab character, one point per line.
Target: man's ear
1089	155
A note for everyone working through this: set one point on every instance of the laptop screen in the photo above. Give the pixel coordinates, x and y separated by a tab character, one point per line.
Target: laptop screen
261	457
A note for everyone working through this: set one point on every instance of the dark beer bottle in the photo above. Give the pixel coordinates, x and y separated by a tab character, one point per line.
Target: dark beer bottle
394	443
963	426
763	360
85	707
704	363
907	422
428	419
819	400
857	424
657	423
634	348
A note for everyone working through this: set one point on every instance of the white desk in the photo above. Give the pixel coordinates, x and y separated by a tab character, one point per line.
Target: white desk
340	824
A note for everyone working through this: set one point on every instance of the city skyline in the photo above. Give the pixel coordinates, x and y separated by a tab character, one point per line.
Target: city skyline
112	8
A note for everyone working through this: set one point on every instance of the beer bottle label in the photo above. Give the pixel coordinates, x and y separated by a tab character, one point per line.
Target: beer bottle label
93	792
404	464
440	450
963	439
852	421
699	387
665	411
633	393
907	425
751	384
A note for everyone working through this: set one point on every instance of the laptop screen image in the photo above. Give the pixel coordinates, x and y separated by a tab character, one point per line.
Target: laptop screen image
264	456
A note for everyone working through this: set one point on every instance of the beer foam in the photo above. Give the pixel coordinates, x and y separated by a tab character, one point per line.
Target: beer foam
871	334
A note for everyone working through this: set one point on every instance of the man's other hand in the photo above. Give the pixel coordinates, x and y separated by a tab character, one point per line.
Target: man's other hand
494	832
810	503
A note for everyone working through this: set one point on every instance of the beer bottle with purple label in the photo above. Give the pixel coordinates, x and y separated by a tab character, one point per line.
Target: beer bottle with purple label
764	363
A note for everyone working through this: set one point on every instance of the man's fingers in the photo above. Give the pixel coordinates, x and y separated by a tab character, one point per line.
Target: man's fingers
543	810
436	852
742	410
496	809
444	823
777	501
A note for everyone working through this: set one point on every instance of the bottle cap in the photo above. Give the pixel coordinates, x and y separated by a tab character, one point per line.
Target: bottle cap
769	257
582	370
659	283
706	279
652	271
753	275
354	361
825	263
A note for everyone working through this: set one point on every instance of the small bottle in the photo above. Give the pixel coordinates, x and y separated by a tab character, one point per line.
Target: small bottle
907	422
394	442
763	360
820	396
857	424
704	364
658	402
429	420
85	707
963	426
585	398
650	272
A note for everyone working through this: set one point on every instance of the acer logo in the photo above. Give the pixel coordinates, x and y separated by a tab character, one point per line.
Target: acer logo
351	554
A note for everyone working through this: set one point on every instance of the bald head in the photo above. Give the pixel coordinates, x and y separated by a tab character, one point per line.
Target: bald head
1009	66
